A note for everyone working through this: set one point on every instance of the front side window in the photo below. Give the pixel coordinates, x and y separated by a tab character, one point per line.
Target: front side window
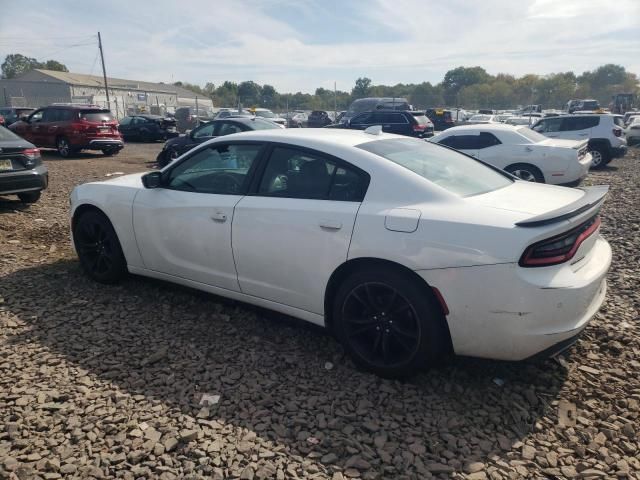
50	115
459	174
37	116
363	119
125	121
462	142
220	169
294	173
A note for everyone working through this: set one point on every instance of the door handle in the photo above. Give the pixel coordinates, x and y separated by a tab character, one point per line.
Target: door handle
219	217
330	224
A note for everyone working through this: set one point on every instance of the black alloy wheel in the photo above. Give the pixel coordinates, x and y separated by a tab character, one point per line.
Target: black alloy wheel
389	322
381	325
98	248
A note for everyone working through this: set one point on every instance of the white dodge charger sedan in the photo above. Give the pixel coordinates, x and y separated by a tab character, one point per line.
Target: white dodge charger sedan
522	152
405	249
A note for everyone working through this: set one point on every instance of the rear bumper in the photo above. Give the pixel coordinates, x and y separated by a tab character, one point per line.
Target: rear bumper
521	312
99	144
24	180
618	152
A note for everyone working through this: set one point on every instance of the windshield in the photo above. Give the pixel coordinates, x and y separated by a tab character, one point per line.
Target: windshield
265	114
530	134
457	173
259	124
480	118
96	115
6	134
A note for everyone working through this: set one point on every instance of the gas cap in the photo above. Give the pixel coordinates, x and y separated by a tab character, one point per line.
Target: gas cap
402	220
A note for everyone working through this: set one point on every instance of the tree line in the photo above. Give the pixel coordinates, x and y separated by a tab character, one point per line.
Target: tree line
466	87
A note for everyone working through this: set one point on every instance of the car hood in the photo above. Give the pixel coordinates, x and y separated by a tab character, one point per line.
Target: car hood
132	180
528	198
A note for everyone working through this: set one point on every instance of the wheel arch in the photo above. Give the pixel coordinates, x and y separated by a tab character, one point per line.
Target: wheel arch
353	265
84	208
525	164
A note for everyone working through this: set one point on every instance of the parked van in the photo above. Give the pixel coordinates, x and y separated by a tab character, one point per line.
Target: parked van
375	103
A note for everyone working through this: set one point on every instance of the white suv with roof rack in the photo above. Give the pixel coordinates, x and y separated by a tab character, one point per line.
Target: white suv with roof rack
604	132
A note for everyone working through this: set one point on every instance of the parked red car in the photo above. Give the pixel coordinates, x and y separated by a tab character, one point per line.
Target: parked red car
71	128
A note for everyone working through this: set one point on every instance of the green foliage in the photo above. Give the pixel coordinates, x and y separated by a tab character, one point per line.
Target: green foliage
468	87
15	64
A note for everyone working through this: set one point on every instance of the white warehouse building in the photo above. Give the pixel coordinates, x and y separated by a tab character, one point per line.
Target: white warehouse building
38	88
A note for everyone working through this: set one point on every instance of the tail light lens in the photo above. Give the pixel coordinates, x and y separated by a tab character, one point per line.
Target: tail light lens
33	156
617	132
419	128
80	126
560	248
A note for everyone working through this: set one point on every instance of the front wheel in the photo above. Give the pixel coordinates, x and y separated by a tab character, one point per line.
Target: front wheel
98	248
526	172
388	323
29	197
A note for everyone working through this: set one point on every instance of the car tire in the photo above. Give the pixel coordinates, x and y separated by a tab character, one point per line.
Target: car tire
599	157
98	248
64	147
108	152
526	172
387	323
29	197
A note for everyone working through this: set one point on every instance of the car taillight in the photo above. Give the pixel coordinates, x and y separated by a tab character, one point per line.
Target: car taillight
33	156
77	127
617	132
419	128
560	248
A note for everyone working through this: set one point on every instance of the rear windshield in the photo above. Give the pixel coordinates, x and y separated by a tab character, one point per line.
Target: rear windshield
265	114
590	105
6	134
619	121
258	124
531	135
421	119
446	168
96	115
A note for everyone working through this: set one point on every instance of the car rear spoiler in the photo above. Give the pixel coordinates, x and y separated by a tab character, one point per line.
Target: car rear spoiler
593	198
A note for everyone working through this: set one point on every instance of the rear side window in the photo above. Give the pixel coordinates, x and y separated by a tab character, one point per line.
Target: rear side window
459	174
462	142
293	173
488	140
579	123
96	115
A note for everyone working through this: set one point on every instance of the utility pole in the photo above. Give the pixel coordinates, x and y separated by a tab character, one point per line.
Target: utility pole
104	72
335	102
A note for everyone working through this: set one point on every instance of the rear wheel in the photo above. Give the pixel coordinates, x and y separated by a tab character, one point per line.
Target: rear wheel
98	248
526	172
29	197
64	147
599	156
387	323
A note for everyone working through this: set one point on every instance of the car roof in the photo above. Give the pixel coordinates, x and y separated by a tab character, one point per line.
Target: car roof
486	126
317	136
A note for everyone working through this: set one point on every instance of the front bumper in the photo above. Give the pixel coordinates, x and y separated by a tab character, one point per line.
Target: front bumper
24	180
521	312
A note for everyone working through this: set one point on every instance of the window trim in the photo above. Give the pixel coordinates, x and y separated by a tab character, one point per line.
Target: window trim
339	163
246	184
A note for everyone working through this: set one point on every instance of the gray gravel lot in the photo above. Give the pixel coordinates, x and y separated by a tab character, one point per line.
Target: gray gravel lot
106	381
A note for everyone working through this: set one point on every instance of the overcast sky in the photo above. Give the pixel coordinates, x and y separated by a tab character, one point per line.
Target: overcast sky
298	45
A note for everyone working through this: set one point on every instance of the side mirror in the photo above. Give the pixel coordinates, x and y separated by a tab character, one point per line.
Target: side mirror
152	179
24	118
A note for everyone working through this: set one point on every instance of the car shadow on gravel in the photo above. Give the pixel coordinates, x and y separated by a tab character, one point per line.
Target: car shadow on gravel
8	204
287	381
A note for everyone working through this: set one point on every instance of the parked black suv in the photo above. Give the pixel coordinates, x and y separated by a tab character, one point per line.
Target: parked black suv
147	128
411	123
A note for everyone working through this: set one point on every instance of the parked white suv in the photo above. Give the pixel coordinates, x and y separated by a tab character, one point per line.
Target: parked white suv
604	132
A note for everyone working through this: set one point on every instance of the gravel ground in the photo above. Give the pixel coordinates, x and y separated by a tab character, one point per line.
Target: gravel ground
107	381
